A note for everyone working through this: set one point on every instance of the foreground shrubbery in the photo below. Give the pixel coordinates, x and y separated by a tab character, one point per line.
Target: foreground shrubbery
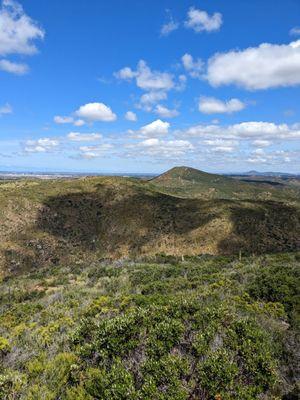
204	328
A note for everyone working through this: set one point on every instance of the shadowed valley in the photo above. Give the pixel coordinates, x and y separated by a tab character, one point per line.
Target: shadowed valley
110	217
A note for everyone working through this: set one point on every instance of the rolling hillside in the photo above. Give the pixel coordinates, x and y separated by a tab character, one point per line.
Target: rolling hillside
49	222
111	288
190	182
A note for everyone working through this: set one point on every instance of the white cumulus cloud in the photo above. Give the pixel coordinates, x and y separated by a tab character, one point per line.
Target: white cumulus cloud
193	67
169	26
181	85
83	137
96	112
200	20
42	145
59	119
18	33
13	67
152	97
79	122
211	105
125	73
165	112
261	143
130	116
155	128
252	130
147	79
221	142
92	152
224	149
17	30
162	149
153	80
221	145
262	67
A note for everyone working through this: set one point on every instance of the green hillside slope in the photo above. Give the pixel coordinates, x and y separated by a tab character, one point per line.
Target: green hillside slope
45	222
190	182
115	288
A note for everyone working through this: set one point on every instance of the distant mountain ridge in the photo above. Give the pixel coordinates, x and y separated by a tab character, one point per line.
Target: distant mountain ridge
189	182
182	212
268	173
187	173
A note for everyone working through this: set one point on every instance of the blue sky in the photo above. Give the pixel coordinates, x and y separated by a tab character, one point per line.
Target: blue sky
141	86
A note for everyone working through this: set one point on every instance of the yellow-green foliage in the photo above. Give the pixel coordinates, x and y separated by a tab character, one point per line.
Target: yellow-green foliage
4	345
168	329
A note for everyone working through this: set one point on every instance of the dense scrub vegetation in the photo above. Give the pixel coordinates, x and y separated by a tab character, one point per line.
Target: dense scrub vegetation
75	323
62	221
163	329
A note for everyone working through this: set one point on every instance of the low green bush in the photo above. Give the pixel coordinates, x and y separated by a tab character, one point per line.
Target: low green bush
213	328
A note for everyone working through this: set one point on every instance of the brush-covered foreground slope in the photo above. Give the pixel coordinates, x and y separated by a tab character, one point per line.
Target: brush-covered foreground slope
210	328
190	182
47	222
